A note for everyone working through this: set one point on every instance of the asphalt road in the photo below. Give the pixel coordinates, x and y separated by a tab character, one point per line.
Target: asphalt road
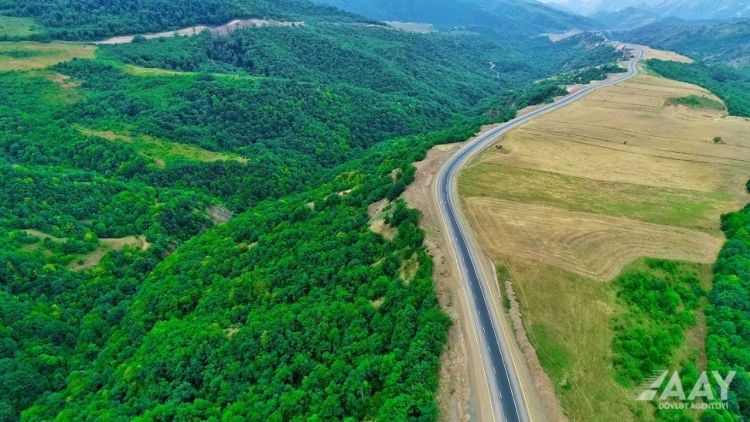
506	393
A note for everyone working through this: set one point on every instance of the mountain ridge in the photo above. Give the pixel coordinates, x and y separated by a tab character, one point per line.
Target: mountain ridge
724	42
685	9
526	16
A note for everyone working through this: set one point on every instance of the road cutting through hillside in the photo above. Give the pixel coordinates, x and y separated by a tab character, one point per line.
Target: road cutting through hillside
506	393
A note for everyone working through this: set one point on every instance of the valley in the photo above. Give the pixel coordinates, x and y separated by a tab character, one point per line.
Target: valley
375	210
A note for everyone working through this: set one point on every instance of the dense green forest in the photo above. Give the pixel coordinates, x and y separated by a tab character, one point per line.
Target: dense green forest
98	19
124	292
730	84
661	298
728	316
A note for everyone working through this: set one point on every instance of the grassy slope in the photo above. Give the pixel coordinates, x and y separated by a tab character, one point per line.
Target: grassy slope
31	55
573	321
17	27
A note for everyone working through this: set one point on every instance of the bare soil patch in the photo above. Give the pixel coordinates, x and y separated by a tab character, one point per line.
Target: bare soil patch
564	35
222	30
418	28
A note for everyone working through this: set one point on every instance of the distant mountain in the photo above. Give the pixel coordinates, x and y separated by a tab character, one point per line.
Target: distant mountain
527	16
685	9
727	42
628	18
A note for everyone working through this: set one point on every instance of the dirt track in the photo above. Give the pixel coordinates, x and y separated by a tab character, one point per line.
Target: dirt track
222	30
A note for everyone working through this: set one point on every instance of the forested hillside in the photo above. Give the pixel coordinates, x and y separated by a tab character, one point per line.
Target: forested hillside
184	228
521	16
91	20
728	317
625	19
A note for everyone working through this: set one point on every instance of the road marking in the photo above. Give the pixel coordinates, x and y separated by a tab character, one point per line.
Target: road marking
448	230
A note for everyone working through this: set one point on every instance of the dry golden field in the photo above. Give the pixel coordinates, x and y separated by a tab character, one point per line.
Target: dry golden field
567	201
589	245
665	55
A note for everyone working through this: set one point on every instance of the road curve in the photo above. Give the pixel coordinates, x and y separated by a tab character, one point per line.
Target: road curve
507	396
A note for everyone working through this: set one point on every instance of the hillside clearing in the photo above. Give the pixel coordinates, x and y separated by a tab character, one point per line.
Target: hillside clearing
163	152
92	259
33	55
222	30
18	27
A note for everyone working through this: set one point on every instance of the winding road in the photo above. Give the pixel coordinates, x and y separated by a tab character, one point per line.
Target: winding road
507	396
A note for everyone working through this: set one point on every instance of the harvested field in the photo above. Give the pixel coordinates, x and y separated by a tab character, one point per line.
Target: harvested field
636	138
593	246
675	207
568	201
663	55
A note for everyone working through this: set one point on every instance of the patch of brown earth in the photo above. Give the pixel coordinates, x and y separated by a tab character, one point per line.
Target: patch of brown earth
223	30
219	214
564	35
377	207
63	81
